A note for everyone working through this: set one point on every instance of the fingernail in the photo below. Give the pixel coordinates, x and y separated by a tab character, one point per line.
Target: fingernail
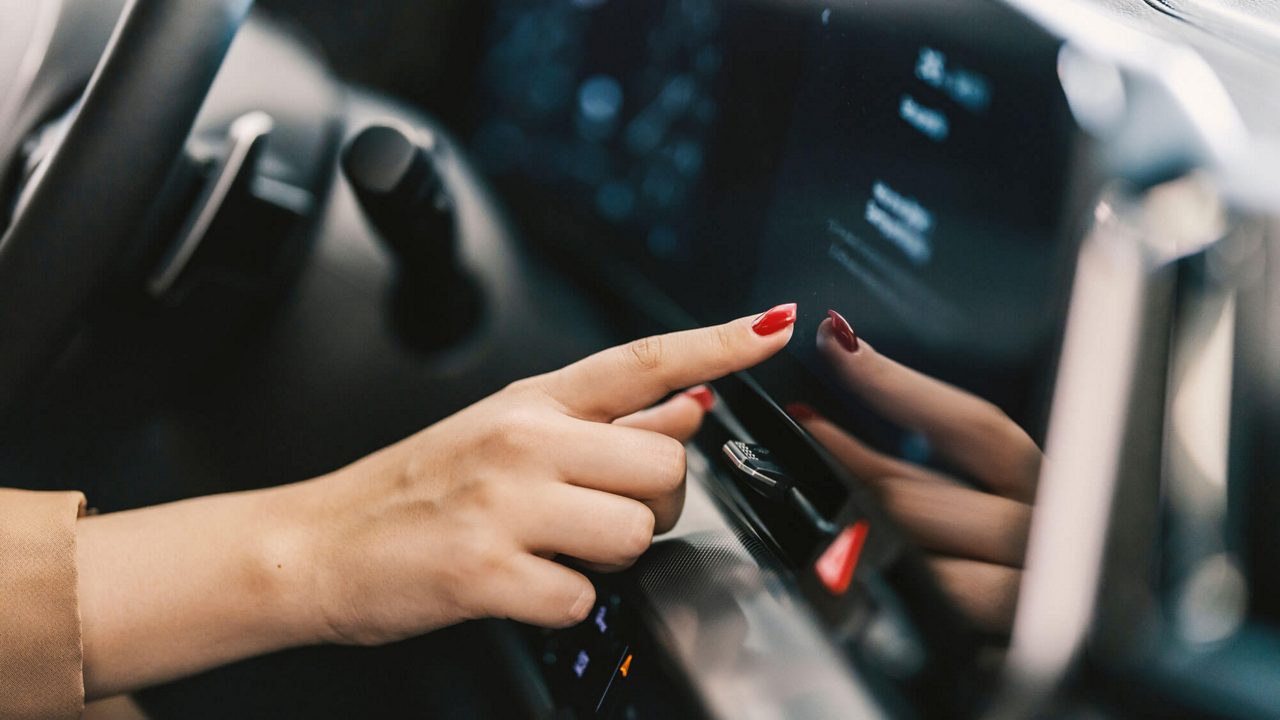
801	412
843	331
702	395
779	318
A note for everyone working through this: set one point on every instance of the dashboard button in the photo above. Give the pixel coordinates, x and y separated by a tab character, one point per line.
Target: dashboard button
755	465
601	617
837	563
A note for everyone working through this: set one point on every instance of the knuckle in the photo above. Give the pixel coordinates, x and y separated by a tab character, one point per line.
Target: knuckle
491	561
578	604
458	580
725	339
518	429
486	561
1012	525
519	387
646	353
527	387
640	536
480	580
990	420
631	534
672	466
669	517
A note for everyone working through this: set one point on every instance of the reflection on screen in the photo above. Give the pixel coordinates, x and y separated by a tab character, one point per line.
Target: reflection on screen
920	193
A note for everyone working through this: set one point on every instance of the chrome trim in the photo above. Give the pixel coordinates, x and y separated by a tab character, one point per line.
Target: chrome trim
1123	294
741	466
1086	430
246	134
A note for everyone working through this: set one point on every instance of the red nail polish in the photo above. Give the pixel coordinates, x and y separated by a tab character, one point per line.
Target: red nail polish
801	412
779	318
843	331
703	395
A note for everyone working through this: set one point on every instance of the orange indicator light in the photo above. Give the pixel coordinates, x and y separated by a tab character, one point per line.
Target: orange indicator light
625	667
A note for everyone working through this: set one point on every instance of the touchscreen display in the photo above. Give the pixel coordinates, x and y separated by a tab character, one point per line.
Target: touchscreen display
922	193
905	163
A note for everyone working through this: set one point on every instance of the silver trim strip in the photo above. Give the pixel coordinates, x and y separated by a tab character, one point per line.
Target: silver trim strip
1091	416
245	134
1087	423
746	469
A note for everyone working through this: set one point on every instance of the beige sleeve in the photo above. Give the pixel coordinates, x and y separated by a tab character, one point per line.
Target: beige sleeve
41	666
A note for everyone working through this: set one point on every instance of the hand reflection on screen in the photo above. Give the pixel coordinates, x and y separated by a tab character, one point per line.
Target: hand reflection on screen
975	538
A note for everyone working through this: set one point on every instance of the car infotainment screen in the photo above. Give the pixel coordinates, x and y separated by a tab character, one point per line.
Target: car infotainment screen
922	191
908	164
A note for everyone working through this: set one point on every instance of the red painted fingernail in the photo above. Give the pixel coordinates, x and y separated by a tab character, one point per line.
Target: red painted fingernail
779	318
843	331
703	395
801	412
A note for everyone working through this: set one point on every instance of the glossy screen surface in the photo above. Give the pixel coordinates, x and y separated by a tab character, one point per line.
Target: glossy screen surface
906	163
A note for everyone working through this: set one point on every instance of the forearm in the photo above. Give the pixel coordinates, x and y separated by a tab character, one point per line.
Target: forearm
172	590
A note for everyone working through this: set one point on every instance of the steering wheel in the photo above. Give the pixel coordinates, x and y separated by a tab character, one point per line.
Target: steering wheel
88	200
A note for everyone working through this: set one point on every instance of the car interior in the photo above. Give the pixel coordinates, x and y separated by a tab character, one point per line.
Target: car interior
247	243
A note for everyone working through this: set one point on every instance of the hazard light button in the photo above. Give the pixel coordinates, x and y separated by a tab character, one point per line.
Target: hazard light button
836	565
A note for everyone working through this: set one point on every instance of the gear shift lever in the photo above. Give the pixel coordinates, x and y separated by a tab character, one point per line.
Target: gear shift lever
395	180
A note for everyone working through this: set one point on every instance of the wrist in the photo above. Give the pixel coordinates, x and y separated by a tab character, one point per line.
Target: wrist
284	561
175	589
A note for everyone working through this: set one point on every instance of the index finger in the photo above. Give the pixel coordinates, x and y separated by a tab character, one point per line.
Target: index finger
623	379
967	430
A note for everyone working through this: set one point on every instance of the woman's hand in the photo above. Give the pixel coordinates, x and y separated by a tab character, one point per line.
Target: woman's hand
463	520
976	539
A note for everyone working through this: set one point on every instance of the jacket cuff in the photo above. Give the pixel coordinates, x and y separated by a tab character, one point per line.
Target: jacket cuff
41	658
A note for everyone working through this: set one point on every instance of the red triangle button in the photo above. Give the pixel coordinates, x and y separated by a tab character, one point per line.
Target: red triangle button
835	567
